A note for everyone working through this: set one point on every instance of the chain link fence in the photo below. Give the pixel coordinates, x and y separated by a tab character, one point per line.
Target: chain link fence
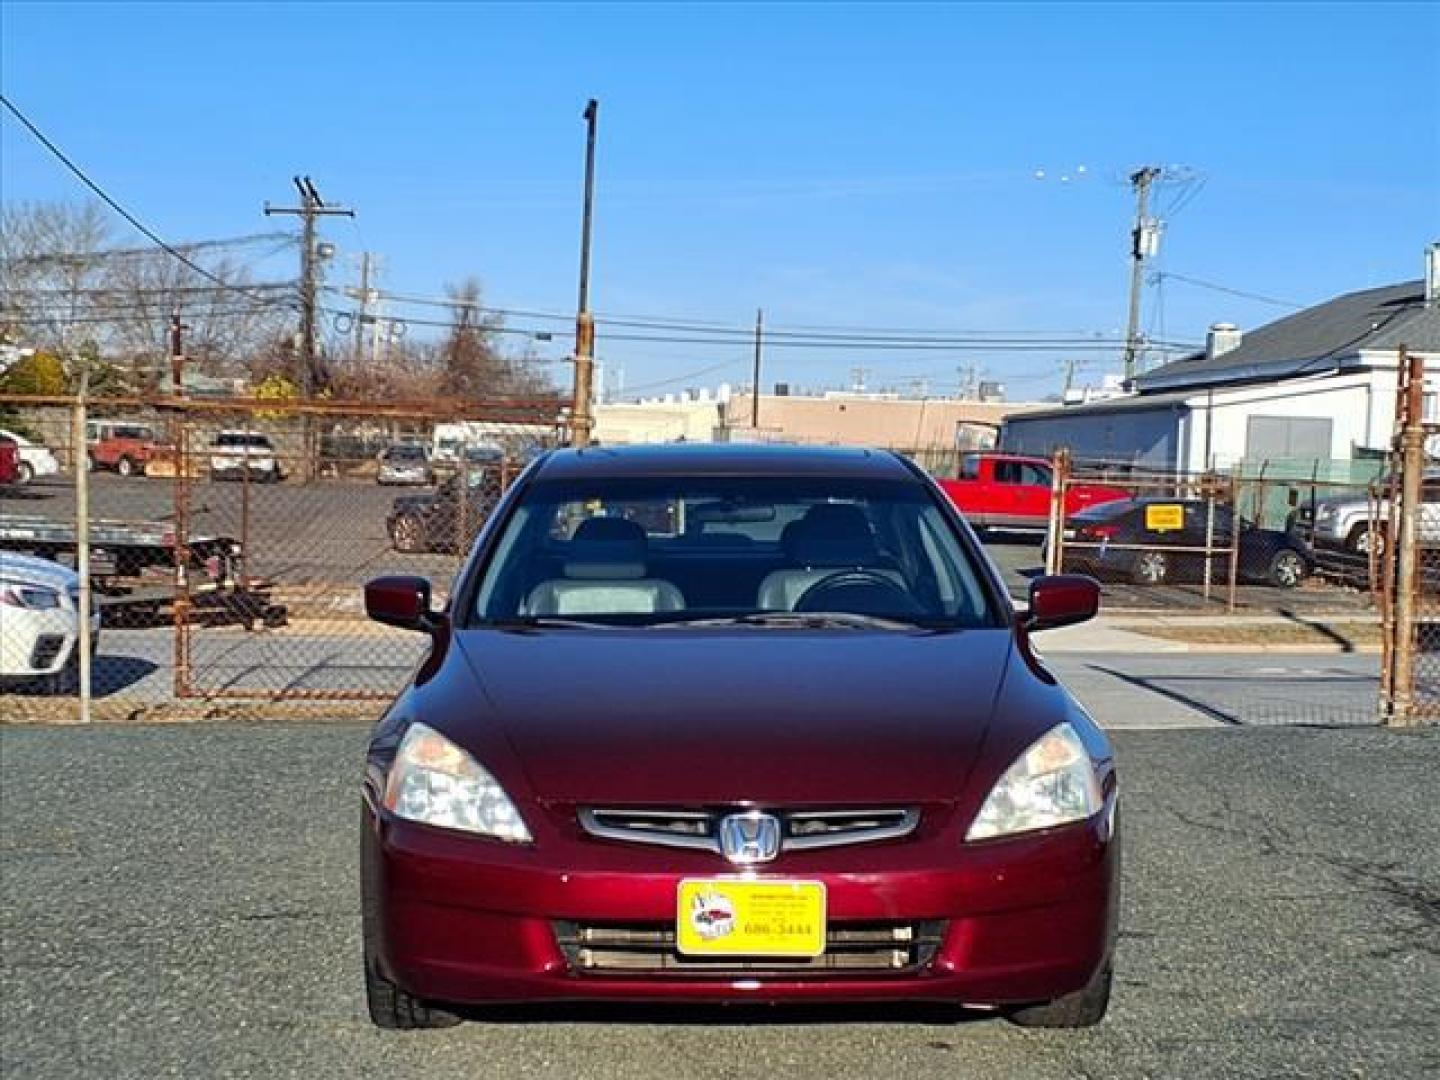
229	542
1232	541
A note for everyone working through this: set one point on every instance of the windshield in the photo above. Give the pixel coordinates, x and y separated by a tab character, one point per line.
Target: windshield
675	549
405	455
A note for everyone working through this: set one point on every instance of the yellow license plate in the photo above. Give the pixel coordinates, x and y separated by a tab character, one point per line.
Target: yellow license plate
725	917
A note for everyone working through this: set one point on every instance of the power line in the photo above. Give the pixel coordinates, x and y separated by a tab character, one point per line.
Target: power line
1165	274
958	345
658	384
706	326
144	229
278	238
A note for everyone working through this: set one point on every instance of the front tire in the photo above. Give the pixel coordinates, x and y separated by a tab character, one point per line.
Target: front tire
1287	569
1151	568
125	467
394	1009
1363	536
1084	1008
407	535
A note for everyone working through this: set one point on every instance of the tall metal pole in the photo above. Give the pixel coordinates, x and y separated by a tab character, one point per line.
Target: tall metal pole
1139	236
581	419
1410	441
82	547
755	394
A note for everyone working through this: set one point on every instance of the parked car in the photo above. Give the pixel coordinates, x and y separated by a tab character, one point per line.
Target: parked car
405	463
1011	491
432	521
1353	523
1136	539
804	753
239	455
124	447
40	624
9	462
33	458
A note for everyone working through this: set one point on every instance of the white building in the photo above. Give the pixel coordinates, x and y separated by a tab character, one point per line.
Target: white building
1309	392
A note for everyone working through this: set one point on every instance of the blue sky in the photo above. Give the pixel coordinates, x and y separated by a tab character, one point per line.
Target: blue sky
838	165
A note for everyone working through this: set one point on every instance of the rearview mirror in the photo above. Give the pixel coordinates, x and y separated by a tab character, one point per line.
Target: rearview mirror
1061	600
402	601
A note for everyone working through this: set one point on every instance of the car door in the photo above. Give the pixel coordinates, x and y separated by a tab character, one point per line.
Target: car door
1032	496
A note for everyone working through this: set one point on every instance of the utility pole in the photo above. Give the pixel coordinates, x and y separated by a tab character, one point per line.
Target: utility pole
1069	380
311	207
1144	243
755	397
363	310
177	354
581	419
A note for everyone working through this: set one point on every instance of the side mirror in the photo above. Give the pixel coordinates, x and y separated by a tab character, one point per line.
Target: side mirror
402	601
1061	600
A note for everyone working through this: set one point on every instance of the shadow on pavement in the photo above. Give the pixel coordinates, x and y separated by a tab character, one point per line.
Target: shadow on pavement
710	1015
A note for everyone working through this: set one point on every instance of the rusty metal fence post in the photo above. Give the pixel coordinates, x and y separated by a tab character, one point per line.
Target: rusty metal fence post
1060	465
1410	445
180	605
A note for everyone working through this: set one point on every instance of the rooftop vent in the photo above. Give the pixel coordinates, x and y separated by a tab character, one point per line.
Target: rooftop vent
1223	337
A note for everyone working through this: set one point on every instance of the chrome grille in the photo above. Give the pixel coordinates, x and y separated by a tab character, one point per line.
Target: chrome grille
801	830
875	948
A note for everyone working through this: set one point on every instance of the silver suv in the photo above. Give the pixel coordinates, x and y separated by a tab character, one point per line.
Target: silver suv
1354	523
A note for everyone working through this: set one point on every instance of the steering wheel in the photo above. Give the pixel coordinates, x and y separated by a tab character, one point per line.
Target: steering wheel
859	592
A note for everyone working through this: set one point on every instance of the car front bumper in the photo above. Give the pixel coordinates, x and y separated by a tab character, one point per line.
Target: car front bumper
35	643
465	920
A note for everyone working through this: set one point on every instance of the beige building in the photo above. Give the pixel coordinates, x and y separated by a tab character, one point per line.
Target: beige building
871	420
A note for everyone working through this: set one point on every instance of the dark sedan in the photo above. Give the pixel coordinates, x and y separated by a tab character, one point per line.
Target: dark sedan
1152	541
735	724
448	518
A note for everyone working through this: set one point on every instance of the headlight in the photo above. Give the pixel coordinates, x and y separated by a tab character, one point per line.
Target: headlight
435	782
1326	513
33	597
1053	782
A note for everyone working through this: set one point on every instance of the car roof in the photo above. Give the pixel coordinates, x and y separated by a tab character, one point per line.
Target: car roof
723	459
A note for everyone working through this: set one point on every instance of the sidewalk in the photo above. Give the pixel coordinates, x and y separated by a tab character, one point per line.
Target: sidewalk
1167	633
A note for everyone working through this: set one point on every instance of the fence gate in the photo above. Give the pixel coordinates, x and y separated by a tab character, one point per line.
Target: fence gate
283	512
1410	576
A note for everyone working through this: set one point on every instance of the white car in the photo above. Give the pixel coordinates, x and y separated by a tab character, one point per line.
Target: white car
39	621
34	459
249	455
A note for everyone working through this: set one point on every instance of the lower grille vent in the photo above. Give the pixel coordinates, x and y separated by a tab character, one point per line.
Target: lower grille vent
855	948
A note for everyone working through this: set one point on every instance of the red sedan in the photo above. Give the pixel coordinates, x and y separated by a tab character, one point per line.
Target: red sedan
735	724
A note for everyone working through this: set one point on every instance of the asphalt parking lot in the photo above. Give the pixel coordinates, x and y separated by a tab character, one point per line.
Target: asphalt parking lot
182	901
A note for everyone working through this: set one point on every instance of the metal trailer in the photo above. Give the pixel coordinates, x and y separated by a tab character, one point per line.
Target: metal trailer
135	570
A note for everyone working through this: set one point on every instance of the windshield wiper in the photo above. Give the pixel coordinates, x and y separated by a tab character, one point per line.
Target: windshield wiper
544	622
804	620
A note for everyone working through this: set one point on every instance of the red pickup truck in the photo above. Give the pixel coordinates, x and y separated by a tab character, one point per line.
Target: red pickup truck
1010	491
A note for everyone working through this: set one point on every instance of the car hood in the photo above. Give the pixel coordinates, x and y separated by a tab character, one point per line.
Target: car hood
775	716
30	570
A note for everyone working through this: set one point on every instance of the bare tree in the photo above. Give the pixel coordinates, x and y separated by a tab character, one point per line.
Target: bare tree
50	265
63	284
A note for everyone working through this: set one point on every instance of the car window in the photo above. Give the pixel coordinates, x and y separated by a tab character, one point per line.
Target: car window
1034	474
970	467
656	550
1007	472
